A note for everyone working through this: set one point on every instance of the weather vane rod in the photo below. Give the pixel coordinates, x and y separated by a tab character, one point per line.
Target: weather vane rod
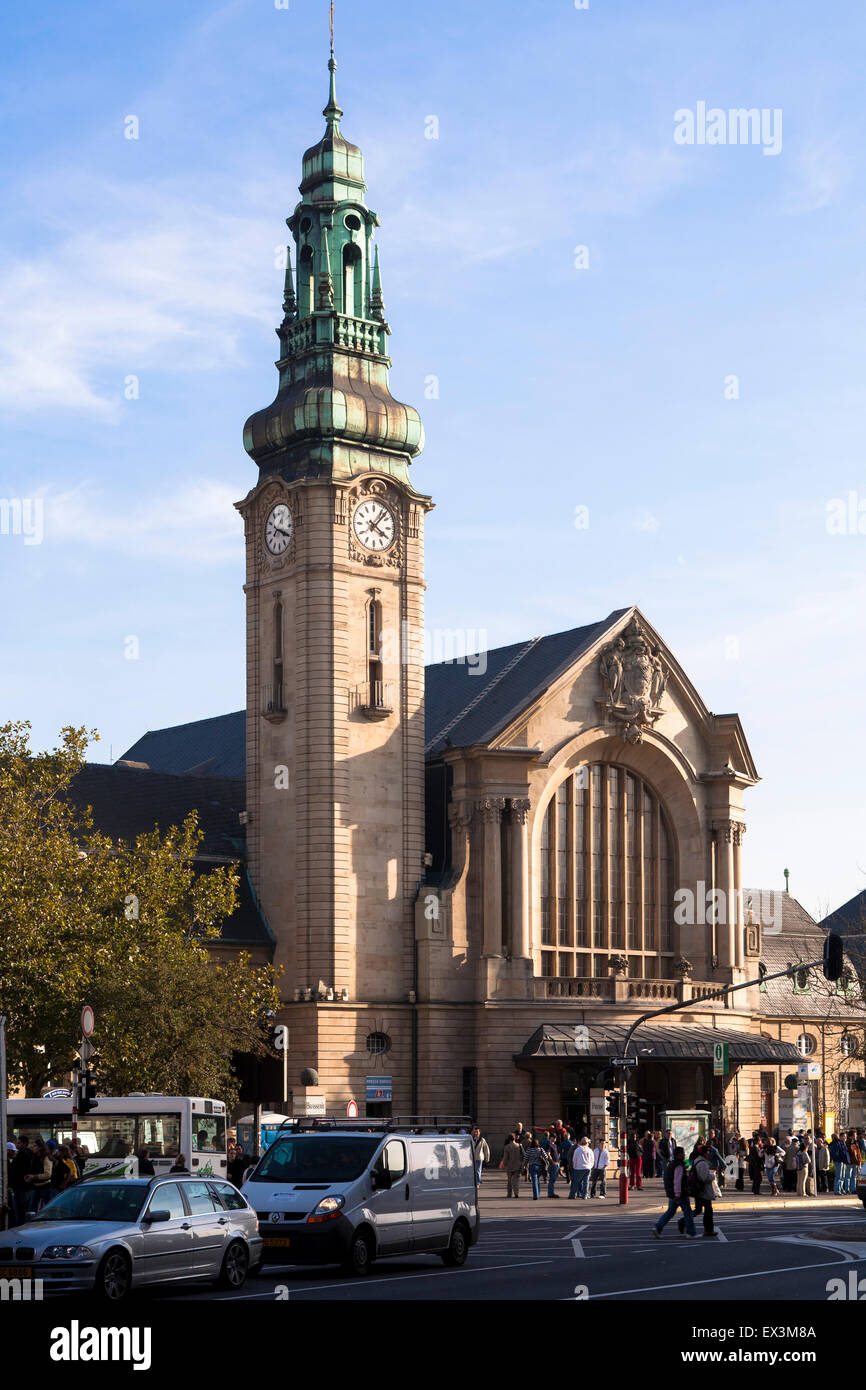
332	28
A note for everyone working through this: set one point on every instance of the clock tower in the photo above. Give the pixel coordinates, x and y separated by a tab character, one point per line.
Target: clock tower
335	674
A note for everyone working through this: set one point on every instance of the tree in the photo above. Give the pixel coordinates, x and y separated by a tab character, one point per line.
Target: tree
123	927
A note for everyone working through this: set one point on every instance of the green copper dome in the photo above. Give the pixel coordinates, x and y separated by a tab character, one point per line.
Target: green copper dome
334	413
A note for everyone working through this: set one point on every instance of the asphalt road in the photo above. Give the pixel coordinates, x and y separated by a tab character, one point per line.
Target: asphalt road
762	1255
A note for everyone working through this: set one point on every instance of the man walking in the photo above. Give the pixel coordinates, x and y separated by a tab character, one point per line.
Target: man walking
553	1170
600	1165
513	1160
839	1155
676	1191
633	1149
480	1153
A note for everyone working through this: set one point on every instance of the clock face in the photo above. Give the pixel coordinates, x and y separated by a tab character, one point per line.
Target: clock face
278	528
373	524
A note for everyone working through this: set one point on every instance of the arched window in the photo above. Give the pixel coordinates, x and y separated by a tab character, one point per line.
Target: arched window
306	284
374	653
606	877
278	656
352	286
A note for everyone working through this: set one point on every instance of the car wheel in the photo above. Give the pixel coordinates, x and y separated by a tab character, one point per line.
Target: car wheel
458	1247
113	1277
235	1266
360	1256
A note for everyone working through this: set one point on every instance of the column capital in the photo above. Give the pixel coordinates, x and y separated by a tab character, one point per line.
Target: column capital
520	809
460	814
732	831
491	808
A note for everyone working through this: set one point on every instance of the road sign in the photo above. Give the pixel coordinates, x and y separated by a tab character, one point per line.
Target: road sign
86	1050
624	1062
378	1088
87	1021
352	1110
808	1071
721	1059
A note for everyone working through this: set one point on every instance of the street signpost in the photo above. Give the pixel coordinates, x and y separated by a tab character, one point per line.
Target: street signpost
85	1052
630	1062
721	1059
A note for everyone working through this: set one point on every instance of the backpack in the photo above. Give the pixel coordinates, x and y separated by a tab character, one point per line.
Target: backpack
693	1184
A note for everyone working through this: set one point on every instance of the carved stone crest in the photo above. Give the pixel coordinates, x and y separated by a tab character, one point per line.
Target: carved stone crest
633	679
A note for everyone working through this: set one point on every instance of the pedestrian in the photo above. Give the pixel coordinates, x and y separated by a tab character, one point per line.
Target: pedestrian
39	1177
756	1165
553	1166
803	1168
512	1162
855	1158
634	1151
566	1150
145	1167
518	1133
600	1165
583	1160
648	1155
789	1164
704	1187
535	1166
179	1165
480	1153
676	1191
666	1149
839	1154
77	1154
822	1163
771	1166
19	1190
742	1164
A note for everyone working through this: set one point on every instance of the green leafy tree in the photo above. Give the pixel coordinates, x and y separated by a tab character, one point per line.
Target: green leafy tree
124	927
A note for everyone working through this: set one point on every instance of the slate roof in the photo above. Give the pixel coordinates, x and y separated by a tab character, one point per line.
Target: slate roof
801	938
850	918
670	1042
207	747
470	702
466	701
129	801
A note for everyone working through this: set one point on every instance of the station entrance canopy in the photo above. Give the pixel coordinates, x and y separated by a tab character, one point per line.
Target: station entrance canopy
658	1042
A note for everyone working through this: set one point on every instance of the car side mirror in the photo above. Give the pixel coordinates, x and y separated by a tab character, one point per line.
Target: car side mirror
381	1180
156	1216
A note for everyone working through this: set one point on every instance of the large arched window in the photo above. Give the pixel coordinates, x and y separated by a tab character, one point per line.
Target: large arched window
607	877
306	284
352	296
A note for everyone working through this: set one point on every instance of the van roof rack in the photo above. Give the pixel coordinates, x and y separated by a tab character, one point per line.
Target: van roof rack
417	1124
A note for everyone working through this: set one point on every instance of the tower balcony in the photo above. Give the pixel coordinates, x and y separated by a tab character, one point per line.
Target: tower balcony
273	705
336	330
375	699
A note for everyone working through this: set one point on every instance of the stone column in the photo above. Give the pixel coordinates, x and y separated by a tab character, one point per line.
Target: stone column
726	834
518	927
739	832
491	809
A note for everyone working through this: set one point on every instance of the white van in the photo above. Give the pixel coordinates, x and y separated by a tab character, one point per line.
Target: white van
330	1192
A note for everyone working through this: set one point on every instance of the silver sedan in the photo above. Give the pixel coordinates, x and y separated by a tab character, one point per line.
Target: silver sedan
110	1236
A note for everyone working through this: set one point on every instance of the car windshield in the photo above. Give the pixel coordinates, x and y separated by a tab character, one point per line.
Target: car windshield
316	1158
102	1201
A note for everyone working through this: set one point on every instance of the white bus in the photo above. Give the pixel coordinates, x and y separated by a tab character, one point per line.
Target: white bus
114	1134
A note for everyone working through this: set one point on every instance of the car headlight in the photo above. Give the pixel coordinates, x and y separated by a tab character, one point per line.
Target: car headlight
67	1252
327	1210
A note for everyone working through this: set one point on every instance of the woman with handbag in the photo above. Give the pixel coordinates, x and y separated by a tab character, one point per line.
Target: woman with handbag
536	1167
705	1188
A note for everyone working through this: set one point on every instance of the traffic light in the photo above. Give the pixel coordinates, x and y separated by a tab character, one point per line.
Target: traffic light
642	1117
834	961
613	1105
87	1098
632	1111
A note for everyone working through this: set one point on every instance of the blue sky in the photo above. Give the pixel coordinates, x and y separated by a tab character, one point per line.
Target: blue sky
559	387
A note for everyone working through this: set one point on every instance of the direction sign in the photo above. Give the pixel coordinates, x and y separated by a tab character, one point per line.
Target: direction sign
624	1062
87	1021
721	1059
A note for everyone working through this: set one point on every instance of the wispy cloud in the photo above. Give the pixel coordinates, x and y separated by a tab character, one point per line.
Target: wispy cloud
821	173
196	523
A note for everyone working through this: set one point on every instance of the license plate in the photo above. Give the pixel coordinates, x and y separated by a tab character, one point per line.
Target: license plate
15	1272
277	1240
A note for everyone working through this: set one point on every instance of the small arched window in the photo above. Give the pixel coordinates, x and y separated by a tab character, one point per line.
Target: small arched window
376	698
278	686
306	288
352	282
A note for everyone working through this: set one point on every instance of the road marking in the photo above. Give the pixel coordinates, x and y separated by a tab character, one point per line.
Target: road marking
721	1279
722	1237
395	1279
576	1232
578	1250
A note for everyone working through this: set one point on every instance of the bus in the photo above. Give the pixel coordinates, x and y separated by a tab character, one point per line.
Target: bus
114	1134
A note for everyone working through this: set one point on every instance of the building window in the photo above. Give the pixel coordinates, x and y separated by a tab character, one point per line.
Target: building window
848	1045
378	1044
375	681
800	981
606	874
470	1092
306	288
807	1045
352	282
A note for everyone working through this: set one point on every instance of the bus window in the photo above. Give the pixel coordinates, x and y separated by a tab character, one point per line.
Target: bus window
114	1135
160	1133
208	1134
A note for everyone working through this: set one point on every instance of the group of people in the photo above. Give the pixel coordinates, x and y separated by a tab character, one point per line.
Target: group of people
37	1170
548	1154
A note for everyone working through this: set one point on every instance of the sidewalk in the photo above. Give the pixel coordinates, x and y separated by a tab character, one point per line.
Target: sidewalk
649	1200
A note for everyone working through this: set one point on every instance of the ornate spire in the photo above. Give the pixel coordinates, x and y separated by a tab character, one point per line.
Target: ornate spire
290	304
332	112
377	304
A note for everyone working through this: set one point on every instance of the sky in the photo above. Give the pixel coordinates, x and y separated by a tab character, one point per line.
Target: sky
668	334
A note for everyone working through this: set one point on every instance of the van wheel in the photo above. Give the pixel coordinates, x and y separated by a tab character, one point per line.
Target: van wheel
458	1247
113	1278
360	1256
236	1263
